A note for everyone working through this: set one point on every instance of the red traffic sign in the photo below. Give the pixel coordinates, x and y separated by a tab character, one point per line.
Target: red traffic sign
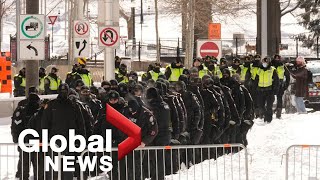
109	36
126	126
52	19
81	28
209	49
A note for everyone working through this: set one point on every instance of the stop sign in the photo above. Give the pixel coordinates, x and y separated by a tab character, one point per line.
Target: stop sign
209	49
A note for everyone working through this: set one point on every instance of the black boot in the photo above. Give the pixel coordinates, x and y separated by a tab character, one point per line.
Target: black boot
278	113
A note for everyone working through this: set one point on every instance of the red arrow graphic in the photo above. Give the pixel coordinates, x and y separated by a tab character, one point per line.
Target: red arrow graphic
126	126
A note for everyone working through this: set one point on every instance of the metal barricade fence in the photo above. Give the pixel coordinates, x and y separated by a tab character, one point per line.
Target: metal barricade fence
22	165
302	162
183	162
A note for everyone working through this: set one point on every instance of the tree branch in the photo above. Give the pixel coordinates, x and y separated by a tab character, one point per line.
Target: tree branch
123	14
290	10
288	4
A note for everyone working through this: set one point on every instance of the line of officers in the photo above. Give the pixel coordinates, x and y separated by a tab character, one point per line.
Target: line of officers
49	83
207	104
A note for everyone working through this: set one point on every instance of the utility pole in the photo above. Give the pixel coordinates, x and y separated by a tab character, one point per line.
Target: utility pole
70	34
32	66
109	64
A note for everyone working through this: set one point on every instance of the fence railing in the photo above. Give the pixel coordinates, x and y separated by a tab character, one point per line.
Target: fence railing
17	164
302	162
176	162
188	162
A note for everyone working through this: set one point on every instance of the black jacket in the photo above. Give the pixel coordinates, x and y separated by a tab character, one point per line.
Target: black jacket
211	104
161	112
234	115
237	95
182	112
249	110
193	110
195	90
61	115
174	120
20	120
146	121
224	111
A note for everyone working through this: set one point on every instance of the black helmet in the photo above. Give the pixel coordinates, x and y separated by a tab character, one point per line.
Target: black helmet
113	95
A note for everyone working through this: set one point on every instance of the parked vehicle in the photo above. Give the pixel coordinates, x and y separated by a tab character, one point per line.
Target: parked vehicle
313	98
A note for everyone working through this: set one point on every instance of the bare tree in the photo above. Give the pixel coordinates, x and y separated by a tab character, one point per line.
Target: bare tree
5	7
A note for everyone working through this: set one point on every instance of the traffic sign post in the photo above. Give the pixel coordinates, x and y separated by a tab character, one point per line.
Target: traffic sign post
32	50
109	37
81	47
209	48
32	34
32	26
52	21
81	29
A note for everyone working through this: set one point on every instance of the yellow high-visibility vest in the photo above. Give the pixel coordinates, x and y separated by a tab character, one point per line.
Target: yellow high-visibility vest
253	72
86	78
54	84
155	75
203	72
280	71
23	82
175	74
125	78
243	73
41	84
265	77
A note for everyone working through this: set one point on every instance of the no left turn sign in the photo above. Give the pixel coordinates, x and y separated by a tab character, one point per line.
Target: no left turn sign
109	36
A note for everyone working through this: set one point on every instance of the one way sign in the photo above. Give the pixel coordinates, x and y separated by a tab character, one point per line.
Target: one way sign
81	47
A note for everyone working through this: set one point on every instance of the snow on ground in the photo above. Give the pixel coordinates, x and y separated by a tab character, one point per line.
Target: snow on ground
267	144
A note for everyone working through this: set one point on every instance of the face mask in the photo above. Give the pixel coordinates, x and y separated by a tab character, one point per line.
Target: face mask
265	65
247	64
156	69
117	64
63	95
123	71
107	88
211	67
85	97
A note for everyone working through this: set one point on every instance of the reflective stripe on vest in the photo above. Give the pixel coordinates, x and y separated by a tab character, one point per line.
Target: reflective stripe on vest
125	78
54	84
203	72
243	73
232	71
175	74
155	75
217	71
41	84
280	71
23	82
86	78
254	71
265	77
